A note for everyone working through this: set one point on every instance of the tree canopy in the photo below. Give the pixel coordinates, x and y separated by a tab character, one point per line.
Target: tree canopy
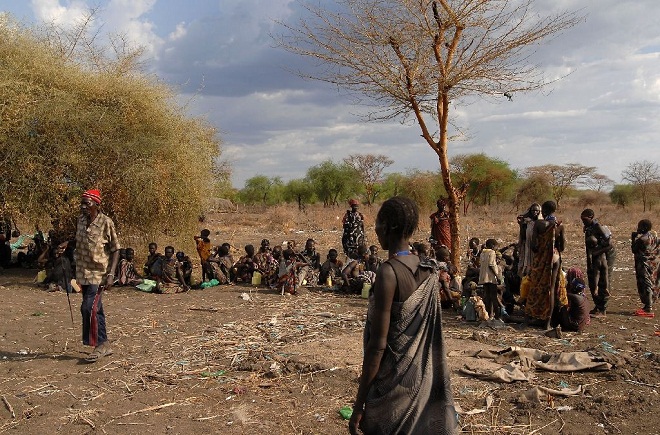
72	119
485	177
645	176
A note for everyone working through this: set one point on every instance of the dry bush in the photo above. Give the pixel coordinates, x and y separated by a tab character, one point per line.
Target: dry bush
590	198
66	127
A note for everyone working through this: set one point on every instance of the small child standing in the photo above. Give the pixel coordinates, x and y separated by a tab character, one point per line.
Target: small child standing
489	277
598	279
203	244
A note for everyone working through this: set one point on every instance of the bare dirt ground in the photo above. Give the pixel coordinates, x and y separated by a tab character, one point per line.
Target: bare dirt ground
209	361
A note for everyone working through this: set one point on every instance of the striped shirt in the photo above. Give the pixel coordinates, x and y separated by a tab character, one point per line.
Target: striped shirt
94	245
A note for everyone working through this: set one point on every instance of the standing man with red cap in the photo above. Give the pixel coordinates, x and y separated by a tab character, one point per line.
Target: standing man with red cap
96	255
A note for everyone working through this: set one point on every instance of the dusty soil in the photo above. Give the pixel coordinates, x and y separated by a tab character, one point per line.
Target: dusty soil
210	361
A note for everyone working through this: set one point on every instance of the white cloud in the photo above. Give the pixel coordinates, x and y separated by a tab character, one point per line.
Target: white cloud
602	112
51	11
179	32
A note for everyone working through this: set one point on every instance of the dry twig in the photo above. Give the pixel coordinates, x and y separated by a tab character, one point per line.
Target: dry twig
9	407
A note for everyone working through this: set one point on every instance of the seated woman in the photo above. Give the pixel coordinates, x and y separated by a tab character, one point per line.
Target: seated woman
152	267
126	272
287	272
171	279
308	273
575	317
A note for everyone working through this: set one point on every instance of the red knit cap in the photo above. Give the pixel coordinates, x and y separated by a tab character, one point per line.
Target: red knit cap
93	194
353	202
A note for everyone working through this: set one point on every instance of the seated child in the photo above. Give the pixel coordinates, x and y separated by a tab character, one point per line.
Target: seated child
287	271
449	298
171	278
186	266
373	264
575	317
152	267
331	268
355	274
59	277
220	264
245	266
126	273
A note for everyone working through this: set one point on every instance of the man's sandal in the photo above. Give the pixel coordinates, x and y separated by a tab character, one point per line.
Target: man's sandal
99	352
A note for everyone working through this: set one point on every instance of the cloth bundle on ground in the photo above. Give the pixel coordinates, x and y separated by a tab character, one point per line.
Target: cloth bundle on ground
148	285
214	282
517	360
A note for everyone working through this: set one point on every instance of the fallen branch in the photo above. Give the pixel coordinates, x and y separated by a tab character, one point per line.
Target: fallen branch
541	428
8	406
151	408
210	310
609	422
642	383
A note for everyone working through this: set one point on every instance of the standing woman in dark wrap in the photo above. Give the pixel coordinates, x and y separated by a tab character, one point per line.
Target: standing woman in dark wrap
404	387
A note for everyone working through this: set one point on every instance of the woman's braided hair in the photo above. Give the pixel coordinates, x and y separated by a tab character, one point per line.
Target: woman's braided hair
401	216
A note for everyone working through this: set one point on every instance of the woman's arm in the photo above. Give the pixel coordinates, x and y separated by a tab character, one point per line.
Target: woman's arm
385	287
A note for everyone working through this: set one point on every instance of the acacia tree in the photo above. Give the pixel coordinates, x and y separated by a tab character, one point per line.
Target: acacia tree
645	175
369	168
414	58
562	177
598	182
532	189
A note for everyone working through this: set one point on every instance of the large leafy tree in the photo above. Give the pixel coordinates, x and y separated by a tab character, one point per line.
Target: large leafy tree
261	189
72	119
534	188
485	177
300	191
414	58
332	181
622	194
424	187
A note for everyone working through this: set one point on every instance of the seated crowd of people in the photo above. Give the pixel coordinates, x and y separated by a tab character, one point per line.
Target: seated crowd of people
285	267
499	279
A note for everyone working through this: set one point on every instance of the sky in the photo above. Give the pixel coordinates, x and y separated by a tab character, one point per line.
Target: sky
220	58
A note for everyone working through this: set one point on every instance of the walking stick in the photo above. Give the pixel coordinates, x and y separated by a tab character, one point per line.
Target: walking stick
68	298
